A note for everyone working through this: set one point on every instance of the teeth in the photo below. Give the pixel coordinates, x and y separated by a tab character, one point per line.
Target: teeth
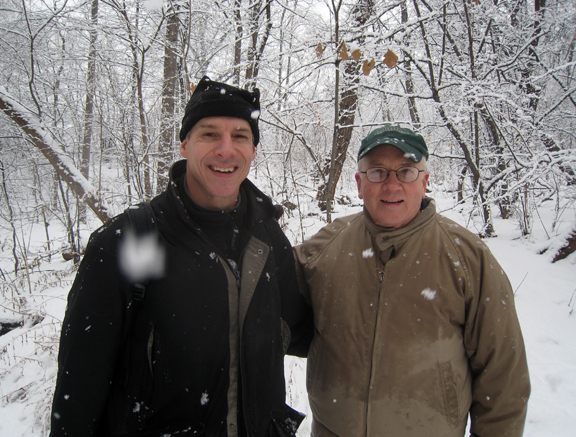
223	170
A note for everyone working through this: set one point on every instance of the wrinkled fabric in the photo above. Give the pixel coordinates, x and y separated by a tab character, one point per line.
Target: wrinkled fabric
415	328
209	339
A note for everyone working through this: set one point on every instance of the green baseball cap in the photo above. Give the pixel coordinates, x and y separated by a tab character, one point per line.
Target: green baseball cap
412	144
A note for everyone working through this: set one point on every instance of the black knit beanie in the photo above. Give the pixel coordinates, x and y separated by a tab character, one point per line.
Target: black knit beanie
215	99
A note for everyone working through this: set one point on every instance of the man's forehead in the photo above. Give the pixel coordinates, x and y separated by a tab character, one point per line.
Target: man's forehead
218	122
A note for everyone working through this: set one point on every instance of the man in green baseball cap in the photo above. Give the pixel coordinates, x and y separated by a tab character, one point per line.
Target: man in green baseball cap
415	325
392	202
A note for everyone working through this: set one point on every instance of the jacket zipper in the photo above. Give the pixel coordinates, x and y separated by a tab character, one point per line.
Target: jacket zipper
231	429
235	270
380	275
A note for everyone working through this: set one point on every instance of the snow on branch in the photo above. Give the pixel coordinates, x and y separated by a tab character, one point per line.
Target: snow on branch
52	151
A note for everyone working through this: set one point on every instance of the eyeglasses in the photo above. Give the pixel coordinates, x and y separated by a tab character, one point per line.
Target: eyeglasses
403	174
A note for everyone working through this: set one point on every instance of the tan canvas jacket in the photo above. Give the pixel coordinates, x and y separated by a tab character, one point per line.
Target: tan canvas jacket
414	329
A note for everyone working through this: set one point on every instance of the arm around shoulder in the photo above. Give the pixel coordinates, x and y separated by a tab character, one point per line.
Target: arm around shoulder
295	311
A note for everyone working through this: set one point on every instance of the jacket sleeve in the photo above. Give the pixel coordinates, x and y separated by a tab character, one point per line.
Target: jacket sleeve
91	334
295	311
301	256
496	352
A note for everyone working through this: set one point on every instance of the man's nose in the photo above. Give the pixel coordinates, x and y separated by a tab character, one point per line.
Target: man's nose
225	147
392	179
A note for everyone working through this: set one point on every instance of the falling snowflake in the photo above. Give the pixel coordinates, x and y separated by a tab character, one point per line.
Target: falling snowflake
204	399
429	294
368	253
141	257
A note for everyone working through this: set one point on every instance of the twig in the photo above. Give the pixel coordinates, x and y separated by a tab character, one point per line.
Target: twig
521	282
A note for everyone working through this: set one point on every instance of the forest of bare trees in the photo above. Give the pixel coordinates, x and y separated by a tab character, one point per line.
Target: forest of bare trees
92	94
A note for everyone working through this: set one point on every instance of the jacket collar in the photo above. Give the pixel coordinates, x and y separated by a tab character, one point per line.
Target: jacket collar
257	206
391	240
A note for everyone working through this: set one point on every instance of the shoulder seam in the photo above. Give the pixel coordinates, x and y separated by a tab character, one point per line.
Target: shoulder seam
344	225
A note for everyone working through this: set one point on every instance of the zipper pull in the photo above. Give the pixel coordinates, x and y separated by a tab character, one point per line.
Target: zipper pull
380	275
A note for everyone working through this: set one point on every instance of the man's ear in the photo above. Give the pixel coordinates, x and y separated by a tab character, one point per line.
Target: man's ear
359	184
183	150
425	178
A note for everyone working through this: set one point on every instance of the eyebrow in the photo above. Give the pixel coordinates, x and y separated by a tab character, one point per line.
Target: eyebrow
243	129
213	126
402	164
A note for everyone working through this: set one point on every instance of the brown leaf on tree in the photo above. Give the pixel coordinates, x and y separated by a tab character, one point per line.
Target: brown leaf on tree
368	66
343	51
319	50
390	59
356	54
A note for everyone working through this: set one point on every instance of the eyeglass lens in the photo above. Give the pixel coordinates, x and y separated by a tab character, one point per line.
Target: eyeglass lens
404	174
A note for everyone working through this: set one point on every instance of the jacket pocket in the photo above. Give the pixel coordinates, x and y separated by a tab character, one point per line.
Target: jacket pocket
450	391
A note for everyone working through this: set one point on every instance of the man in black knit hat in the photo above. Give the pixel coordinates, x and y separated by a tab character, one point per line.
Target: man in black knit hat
203	354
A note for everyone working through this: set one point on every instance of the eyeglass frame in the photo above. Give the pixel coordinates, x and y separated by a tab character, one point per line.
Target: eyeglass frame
392	171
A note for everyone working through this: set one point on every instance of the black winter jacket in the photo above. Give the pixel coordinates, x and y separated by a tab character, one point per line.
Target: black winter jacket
201	337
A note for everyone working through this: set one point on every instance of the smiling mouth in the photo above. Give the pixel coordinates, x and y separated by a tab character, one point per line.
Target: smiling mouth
392	201
223	169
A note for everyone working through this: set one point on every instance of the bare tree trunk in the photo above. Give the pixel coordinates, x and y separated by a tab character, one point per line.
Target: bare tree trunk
323	196
257	41
10	218
138	73
414	116
70	175
238	35
485	208
460	186
346	113
473	163
531	90
168	101
145	146
89	105
345	110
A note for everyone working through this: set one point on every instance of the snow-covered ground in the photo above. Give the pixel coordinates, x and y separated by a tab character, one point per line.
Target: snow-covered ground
545	298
